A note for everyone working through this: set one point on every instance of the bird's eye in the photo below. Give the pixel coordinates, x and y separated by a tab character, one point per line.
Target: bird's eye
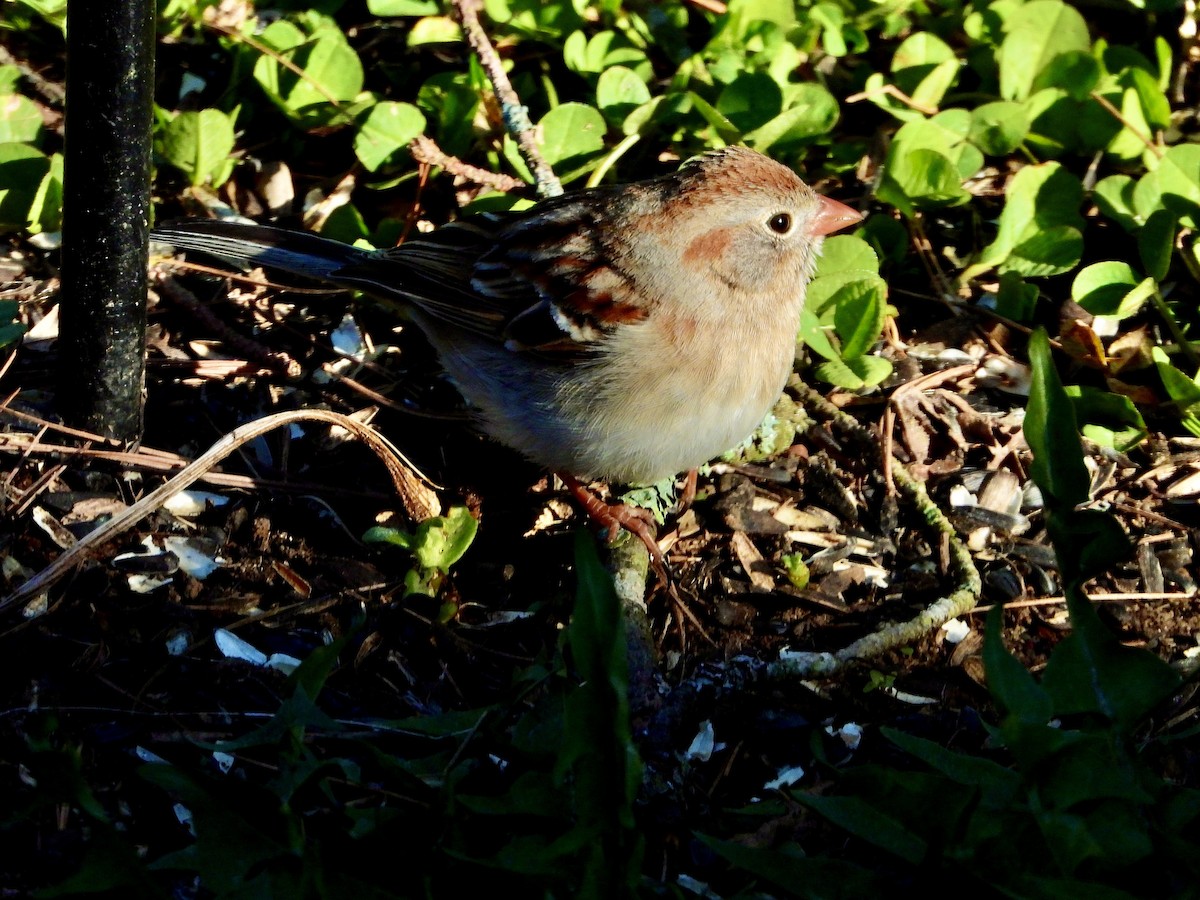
780	223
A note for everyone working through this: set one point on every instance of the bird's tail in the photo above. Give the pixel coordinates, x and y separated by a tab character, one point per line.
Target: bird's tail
257	245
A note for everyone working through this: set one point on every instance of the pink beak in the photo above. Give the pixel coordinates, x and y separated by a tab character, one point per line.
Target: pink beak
832	216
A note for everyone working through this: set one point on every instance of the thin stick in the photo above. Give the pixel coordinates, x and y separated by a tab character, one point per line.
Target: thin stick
418	500
425	150
516	115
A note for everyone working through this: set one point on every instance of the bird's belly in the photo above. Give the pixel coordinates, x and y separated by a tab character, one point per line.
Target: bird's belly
662	420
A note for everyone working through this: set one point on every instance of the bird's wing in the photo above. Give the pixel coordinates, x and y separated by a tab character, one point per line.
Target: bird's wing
543	280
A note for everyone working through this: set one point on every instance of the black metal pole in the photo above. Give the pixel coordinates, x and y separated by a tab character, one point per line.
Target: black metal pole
106	214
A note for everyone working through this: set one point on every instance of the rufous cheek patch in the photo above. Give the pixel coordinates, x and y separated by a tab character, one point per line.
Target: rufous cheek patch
707	248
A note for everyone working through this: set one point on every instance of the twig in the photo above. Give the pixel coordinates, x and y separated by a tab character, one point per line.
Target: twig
892	91
280	363
516	115
418	501
1116	114
424	150
959	602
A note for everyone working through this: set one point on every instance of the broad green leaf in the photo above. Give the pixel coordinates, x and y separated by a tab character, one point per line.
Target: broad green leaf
799	875
331	71
725	130
859	310
1015	298
1015	691
846	252
20	119
854	373
403	7
449	100
812	111
571	132
442	540
619	91
385	132
870	370
1091	671
924	67
999	784
998	128
199	143
1183	391
924	178
1144	112
750	100
1037	33
1156	243
739	22
1110	420
1100	287
434	30
24	171
604	50
815	336
1114	196
1052	251
1077	72
922	50
832	20
868	823
1041	216
1174	183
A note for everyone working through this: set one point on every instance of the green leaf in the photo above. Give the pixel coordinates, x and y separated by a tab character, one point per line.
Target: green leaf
855	373
859	310
815	336
924	67
1037	33
1077	72
198	144
329	71
383	8
1111	420
1156	243
811	112
1183	391
1016	299
1013	688
24	173
868	823
814	877
750	100
385	133
1114	197
1052	434
1100	287
922	178
846	253
571	133
1174	183
619	91
1091	671
1052	251
999	785
1041	217
434	30
20	119
998	128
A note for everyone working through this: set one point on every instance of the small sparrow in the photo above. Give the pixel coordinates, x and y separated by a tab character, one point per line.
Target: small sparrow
623	333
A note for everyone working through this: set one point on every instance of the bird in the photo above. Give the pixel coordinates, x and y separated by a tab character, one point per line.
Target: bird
622	333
